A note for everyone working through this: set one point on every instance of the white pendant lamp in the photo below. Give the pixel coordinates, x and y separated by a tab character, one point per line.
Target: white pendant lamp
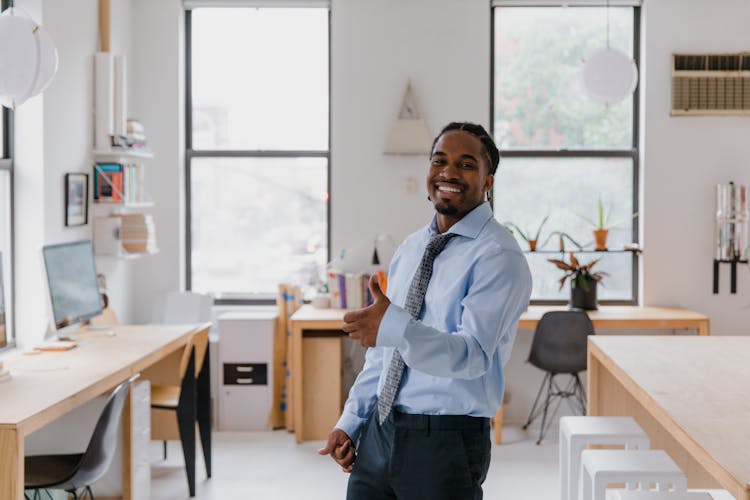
609	75
28	58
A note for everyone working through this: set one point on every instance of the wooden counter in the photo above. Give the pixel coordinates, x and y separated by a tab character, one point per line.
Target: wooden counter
690	394
47	385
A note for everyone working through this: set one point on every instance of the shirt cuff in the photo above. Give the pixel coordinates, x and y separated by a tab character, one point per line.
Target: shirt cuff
351	424
392	327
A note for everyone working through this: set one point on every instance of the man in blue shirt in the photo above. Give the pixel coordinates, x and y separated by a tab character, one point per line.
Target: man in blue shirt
433	376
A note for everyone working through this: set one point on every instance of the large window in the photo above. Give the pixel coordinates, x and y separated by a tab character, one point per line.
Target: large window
257	149
561	152
6	228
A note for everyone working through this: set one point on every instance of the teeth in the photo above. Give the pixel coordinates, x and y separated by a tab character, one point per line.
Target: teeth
449	189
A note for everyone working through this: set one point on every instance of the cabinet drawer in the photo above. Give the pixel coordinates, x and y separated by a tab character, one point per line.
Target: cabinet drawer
245	373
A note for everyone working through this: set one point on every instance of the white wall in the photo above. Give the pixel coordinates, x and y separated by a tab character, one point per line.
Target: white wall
376	47
54	136
158	101
684	158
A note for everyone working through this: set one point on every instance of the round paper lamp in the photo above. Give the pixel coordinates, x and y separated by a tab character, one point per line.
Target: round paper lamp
609	76
28	58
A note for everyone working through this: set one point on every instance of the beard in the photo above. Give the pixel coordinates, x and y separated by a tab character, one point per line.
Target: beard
444	209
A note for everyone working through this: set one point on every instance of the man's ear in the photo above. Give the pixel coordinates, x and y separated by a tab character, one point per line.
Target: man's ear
489	182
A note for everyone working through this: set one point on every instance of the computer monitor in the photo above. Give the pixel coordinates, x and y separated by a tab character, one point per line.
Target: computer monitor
72	283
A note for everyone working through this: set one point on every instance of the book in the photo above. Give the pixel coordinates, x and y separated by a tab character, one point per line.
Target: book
56	345
333	288
108	185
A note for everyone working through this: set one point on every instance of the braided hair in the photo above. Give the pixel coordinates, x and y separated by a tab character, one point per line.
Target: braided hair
493	155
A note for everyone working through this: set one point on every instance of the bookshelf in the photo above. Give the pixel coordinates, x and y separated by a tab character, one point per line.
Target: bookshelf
123	226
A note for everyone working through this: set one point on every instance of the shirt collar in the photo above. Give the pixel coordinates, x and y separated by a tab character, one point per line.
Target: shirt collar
471	224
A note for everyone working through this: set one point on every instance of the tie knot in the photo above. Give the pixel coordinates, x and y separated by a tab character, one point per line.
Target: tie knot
438	241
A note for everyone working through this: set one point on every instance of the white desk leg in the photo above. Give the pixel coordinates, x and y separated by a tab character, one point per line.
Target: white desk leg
11	464
128	460
564	464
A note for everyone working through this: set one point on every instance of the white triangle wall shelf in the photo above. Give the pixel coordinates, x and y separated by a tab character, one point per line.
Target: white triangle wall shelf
409	134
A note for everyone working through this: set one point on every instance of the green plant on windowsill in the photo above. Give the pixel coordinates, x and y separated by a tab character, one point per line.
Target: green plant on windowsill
526	236
583	281
601	225
562	237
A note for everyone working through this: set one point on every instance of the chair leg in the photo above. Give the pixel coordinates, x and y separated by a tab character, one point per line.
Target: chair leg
543	429
204	409
533	413
186	416
165	449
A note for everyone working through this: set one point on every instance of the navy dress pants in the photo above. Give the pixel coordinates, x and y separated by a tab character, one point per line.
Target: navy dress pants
414	457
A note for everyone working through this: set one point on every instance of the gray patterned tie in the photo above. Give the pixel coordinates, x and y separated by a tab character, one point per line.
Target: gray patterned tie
414	303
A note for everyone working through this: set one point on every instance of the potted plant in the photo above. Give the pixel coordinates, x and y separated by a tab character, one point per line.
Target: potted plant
526	236
582	281
601	225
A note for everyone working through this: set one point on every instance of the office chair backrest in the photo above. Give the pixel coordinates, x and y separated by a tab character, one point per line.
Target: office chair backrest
101	449
559	344
199	343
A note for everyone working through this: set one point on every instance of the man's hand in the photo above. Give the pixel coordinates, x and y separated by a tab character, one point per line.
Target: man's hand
341	449
363	324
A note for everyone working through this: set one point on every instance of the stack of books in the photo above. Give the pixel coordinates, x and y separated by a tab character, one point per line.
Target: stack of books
138	233
118	183
4	373
351	290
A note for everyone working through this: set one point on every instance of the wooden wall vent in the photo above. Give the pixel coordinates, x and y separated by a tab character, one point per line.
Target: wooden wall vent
711	84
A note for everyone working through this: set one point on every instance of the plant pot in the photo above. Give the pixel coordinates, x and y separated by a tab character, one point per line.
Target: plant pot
583	299
532	245
600	239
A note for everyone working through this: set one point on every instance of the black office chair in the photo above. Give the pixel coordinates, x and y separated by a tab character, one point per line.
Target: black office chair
191	402
559	348
75	473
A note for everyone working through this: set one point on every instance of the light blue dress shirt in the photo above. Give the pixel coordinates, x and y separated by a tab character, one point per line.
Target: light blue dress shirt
456	350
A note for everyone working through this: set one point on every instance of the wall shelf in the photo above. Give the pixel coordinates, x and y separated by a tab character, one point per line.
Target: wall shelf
582	251
121	208
116	154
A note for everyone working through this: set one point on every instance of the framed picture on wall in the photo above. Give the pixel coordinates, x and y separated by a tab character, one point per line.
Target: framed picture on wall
76	199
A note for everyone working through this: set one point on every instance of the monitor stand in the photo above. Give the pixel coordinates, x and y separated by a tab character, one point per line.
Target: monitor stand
64	333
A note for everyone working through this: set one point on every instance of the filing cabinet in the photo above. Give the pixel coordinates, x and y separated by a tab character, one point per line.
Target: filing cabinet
245	368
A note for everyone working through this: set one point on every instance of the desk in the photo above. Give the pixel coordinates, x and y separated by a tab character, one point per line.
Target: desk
630	318
47	385
690	394
308	322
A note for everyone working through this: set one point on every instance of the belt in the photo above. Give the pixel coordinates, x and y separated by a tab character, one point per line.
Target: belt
443	422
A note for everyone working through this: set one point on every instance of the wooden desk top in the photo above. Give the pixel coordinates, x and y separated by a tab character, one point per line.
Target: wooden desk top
46	385
698	388
626	317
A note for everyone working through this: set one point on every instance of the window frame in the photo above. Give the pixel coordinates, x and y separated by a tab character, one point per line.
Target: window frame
190	153
6	164
632	153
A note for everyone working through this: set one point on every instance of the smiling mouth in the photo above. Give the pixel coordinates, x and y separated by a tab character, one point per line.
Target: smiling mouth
445	188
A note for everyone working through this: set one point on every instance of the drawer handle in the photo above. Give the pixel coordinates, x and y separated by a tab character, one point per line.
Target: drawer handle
244	381
245	369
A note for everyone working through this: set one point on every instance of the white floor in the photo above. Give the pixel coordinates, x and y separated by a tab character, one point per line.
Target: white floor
270	466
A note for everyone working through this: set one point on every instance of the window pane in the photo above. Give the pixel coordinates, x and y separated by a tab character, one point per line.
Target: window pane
539	96
567	190
616	286
260	78
257	222
6	298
